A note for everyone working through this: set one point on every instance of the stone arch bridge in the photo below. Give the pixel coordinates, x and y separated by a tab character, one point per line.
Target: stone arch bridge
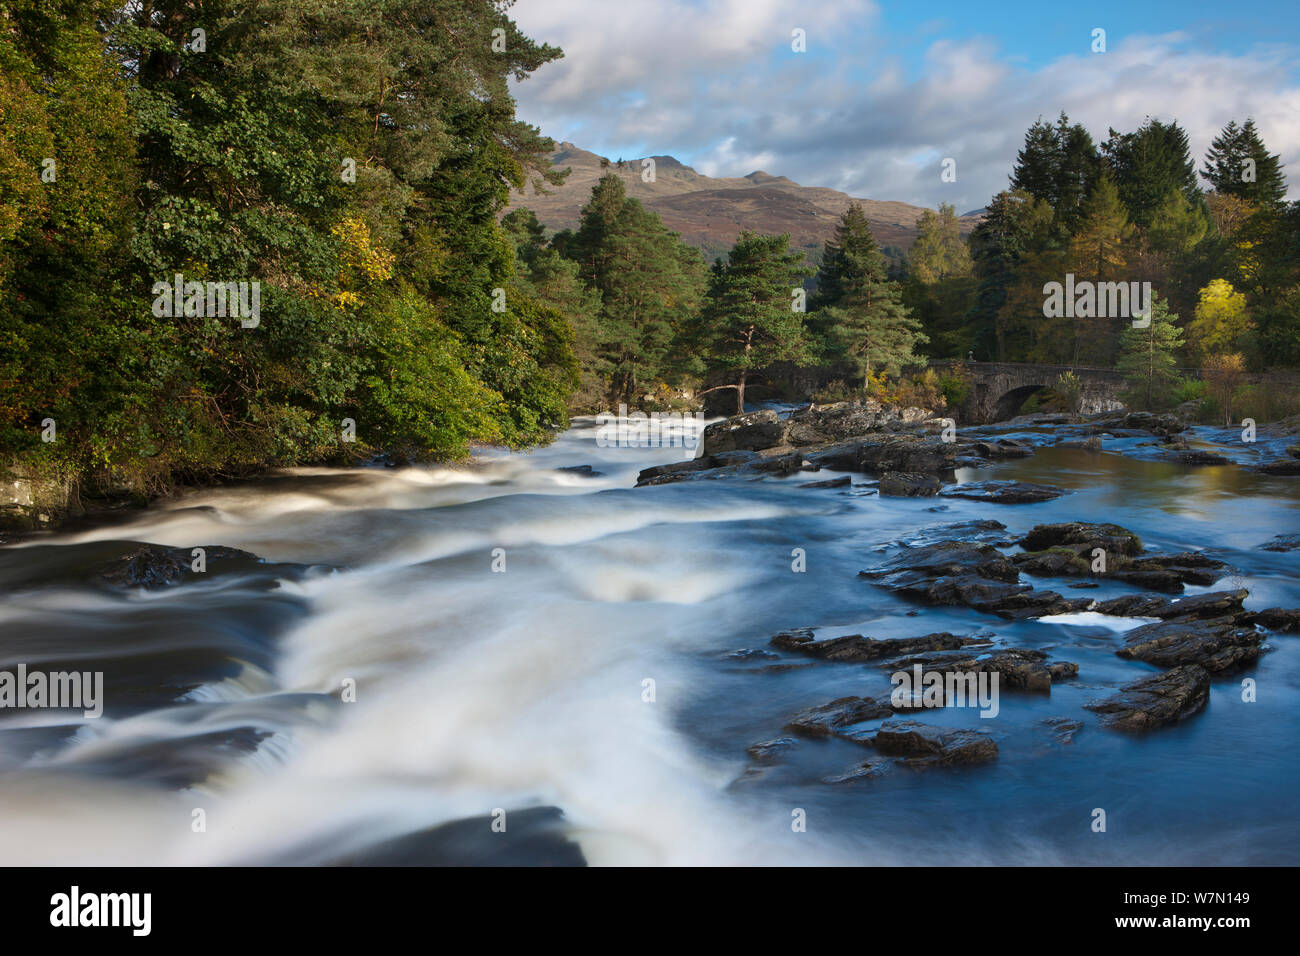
999	389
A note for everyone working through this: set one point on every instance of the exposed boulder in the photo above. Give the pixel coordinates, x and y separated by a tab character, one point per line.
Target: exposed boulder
1216	645
769	750
153	566
1017	668
855	647
1081	537
1212	604
1285	620
752	431
1004	492
1157	700
1282	542
921	745
904	484
831	718
884	453
843	482
1064	729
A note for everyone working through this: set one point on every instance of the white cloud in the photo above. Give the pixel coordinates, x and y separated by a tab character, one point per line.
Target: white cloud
719	87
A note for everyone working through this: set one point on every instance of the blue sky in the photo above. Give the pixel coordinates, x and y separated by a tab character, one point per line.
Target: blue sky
885	91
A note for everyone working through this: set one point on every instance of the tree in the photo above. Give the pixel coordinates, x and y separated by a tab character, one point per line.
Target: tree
749	319
938	287
1059	165
1148	356
1223	375
939	251
1014	226
1239	164
648	283
1147	164
859	309
1221	318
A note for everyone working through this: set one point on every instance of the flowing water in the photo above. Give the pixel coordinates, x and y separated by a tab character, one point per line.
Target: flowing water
479	690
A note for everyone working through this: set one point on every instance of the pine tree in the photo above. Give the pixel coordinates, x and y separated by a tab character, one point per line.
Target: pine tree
1228	172
1059	165
1147	164
749	319
859	308
1014	225
1148	356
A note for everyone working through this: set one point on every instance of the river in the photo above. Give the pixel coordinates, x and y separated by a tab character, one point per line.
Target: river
501	680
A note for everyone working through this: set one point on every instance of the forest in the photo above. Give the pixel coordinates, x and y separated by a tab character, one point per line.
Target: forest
353	163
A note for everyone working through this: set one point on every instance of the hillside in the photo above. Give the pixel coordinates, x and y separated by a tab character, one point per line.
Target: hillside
710	213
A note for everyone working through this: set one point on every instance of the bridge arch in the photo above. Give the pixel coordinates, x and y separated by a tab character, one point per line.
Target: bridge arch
999	389
1010	403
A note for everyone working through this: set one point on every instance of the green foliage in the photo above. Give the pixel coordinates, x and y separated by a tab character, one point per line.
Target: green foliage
1070	390
749	321
380	293
1149	360
860	317
1228	166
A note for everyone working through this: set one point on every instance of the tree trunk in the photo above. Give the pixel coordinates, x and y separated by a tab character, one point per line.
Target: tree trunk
740	393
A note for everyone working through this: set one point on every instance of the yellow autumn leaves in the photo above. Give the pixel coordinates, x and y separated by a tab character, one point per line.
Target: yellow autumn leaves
361	262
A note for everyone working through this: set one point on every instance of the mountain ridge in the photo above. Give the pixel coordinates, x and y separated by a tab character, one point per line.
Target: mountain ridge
710	212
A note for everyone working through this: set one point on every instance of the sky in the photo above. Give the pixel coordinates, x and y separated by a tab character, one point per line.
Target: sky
886	90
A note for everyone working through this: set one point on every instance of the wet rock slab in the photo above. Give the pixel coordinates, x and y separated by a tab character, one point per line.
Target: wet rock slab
1017	668
1004	492
1218	646
831	718
1156	701
854	647
921	745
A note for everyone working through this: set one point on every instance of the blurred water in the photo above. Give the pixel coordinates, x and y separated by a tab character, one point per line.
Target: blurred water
478	690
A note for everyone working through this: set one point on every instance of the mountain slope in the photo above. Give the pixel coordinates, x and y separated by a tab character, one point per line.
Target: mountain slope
710	213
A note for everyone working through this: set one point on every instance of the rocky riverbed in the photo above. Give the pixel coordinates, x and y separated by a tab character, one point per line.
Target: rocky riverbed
645	655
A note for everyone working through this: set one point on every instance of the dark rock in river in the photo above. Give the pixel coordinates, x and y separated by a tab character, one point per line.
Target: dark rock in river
975	575
1017	668
884	453
752	431
830	718
1157	700
855	647
1281	466
875	767
922	745
1210	605
1286	620
1282	542
844	482
154	566
1081	538
1004	492
903	484
1064	729
1166	426
768	750
534	836
1216	645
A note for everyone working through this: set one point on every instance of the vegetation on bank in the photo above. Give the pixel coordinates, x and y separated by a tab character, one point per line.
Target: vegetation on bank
351	158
